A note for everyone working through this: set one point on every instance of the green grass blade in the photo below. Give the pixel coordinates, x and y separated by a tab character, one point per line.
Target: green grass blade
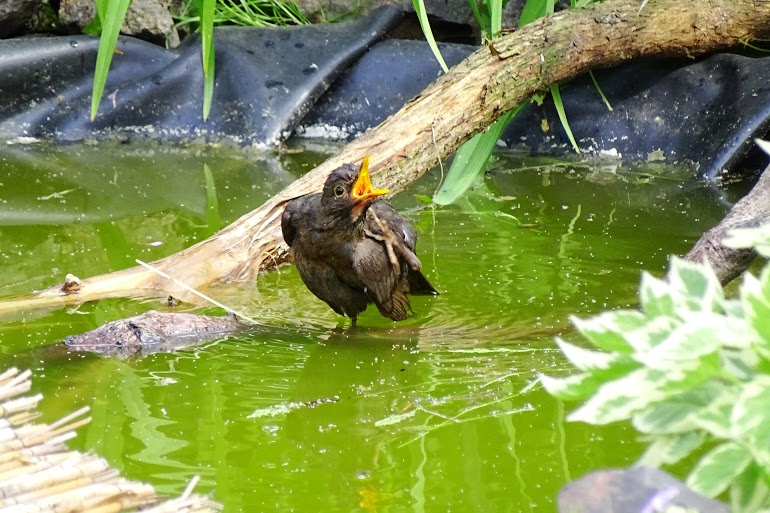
207	32
101	9
471	160
532	10
207	54
601	93
481	18
556	95
419	8
113	20
496	11
208	83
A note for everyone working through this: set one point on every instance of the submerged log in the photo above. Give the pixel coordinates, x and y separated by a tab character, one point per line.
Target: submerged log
433	125
153	332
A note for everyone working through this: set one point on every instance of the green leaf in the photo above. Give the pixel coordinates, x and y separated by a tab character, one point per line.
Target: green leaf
113	20
422	16
101	10
571	388
676	414
718	468
556	95
482	18
496	18
695	286
757	238
749	491
471	160
583	359
667	450
621	398
655	332
715	419
533	9
752	406
655	296
599	90
207	54
607	330
699	334
422	198
756	305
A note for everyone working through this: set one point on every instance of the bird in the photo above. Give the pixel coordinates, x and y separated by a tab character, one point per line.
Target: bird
352	248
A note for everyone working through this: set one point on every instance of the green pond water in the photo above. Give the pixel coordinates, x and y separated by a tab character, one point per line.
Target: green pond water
438	413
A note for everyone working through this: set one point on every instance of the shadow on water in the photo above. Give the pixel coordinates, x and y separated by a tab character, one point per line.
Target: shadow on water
440	412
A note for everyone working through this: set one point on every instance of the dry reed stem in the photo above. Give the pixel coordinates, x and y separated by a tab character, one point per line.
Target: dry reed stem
38	474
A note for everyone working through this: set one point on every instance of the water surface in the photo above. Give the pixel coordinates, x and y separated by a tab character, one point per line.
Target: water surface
439	413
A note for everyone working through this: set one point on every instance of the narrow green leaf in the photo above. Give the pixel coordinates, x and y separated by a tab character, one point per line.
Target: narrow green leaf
207	35
113	20
718	468
667	450
471	160
422	15
208	83
101	10
422	198
207	53
556	95
532	10
481	18
496	22
599	90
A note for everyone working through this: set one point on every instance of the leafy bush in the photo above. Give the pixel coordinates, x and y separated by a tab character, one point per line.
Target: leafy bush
690	370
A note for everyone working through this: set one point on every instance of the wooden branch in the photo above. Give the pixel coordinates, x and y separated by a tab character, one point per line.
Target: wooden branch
751	211
450	111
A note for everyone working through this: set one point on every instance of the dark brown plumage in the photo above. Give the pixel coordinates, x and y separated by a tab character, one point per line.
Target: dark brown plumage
351	248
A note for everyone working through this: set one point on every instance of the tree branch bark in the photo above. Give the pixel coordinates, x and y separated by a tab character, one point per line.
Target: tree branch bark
433	125
751	211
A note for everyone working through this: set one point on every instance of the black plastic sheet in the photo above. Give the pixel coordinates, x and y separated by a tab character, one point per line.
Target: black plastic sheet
345	78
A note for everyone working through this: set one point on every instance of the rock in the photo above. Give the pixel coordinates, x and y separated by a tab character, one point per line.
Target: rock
15	15
640	489
455	11
146	19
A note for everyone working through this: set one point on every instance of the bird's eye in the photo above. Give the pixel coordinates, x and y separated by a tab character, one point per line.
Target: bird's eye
339	191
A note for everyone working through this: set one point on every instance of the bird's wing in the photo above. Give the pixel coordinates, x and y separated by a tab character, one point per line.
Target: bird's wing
288	223
382	281
384	223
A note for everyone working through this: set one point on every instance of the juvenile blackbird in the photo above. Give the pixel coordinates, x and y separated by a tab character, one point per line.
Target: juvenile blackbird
351	248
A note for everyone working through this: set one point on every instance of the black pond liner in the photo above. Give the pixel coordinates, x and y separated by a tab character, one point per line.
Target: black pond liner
342	79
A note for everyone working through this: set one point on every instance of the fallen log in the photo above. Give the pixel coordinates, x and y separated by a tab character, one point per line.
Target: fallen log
433	125
749	212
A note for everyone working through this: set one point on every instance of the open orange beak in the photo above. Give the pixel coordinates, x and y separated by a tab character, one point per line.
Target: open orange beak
362	188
